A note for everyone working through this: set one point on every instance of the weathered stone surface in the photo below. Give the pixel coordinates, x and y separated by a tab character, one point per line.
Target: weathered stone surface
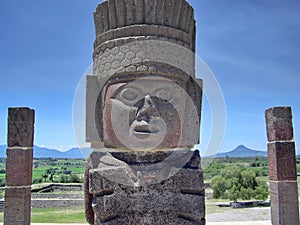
177	14
162	53
19	166
104	15
160	12
150	11
92	95
282	166
139	12
177	7
169	12
189	14
88	197
130	12
149	161
192	36
20	127
183	17
112	14
126	125
98	22
150	31
123	193
107	180
150	208
279	124
121	12
17	206
149	218
159	15
143	116
284	203
282	161
189	114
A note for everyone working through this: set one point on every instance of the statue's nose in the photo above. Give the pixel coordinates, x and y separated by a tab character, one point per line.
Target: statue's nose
148	111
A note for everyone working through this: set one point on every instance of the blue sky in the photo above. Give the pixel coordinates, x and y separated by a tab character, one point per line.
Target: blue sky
252	46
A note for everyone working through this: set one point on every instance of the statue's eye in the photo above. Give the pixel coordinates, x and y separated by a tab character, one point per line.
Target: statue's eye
165	94
130	94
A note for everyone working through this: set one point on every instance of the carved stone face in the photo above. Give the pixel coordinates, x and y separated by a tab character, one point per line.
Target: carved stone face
143	114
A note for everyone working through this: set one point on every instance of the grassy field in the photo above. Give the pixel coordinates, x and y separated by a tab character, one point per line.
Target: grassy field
76	214
56	215
57	167
67	167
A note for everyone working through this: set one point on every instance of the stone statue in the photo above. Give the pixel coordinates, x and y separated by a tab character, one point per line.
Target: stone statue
143	116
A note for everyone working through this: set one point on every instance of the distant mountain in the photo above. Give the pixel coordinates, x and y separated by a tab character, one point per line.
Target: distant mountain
40	152
76	153
242	151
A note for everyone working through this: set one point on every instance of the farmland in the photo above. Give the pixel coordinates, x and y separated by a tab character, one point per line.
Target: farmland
62	171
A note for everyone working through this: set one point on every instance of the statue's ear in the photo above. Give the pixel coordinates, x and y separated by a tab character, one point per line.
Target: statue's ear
192	114
93	100
194	89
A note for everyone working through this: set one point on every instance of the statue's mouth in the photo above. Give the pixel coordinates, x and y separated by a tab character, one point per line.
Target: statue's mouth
143	129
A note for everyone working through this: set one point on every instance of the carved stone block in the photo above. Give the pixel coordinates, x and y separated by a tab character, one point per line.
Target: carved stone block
143	116
282	161
284	203
20	127
19	166
17	206
282	167
169	201
279	124
146	188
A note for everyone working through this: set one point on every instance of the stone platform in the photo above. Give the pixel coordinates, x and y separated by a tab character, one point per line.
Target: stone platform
263	222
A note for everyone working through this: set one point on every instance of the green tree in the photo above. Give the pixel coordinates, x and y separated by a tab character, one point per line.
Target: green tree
64	179
67	172
50	171
234	184
74	179
261	191
45	176
2	182
37	180
51	177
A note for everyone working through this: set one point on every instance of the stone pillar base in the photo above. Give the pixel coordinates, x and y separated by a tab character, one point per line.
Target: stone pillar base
146	194
284	202
18	203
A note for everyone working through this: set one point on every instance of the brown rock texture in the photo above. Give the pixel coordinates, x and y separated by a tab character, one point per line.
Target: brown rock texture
17	206
19	166
20	127
282	167
130	194
143	112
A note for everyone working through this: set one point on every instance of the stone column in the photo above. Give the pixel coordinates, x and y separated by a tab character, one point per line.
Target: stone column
19	166
282	167
143	109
